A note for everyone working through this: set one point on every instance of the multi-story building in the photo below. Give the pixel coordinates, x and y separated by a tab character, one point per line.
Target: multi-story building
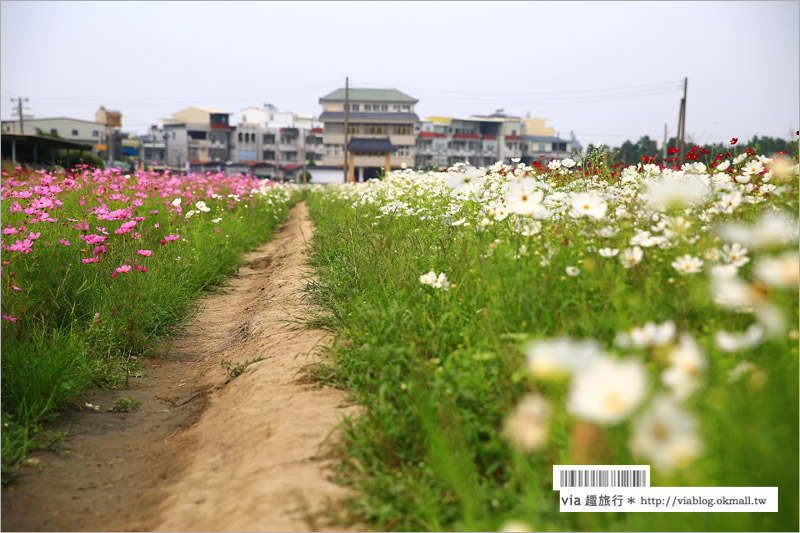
484	140
380	130
279	140
477	140
199	136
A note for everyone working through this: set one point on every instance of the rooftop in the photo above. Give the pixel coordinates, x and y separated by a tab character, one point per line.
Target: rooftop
369	95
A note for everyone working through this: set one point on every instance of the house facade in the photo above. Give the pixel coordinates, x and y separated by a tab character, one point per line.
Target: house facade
380	122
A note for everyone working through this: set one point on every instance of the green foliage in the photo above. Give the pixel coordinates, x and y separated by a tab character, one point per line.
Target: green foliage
123	405
235	370
72	158
438	372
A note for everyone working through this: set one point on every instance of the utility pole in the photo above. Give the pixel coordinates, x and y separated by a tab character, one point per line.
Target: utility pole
20	100
558	147
664	148
682	123
346	121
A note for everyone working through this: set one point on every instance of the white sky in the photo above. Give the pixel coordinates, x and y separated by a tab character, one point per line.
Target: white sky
608	71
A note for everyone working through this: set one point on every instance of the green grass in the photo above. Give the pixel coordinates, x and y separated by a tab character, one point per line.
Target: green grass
438	372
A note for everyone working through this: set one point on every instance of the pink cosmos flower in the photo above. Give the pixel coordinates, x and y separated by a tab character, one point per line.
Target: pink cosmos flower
33	236
15	288
9	317
64	242
94	259
124	269
10	230
99	250
171	238
21	246
146	253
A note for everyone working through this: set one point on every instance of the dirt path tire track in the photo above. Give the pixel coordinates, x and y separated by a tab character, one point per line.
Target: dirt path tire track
221	454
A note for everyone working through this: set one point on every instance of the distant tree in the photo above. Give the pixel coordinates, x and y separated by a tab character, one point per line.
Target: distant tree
72	158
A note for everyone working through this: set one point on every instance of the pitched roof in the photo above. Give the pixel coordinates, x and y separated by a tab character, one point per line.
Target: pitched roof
465	136
361	144
369	95
430	135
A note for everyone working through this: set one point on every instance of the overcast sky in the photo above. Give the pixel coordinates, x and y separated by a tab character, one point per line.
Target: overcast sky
607	71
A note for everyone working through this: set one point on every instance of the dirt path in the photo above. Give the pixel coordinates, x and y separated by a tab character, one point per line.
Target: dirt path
205	452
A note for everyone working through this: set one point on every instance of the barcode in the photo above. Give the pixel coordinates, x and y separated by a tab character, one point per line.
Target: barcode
603	478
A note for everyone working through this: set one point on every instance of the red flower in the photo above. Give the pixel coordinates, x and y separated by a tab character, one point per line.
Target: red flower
734	141
672	151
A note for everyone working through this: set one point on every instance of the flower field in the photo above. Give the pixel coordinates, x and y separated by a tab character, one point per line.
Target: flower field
495	322
100	266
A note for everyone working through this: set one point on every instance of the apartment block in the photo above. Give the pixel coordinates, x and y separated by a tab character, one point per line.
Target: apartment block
380	131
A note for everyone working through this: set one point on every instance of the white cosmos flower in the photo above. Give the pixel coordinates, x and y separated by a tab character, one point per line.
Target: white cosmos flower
752	167
567	163
607	390
522	201
607	232
772	229
588	204
176	202
687	364
529	423
608	252
201	206
559	357
428	279
723	166
686	264
713	254
573	271
675	192
651	335
735	254
555	164
441	282
781	271
631	256
738	342
724	271
666	435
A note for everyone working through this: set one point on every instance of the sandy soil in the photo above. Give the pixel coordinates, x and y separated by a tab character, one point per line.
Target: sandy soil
205	452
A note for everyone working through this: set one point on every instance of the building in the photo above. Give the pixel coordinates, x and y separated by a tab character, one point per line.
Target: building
478	140
278	140
69	129
483	140
380	132
193	137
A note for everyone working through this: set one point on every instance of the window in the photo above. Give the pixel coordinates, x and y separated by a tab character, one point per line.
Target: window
353	107
513	132
75	132
402	130
197	135
351	128
377	129
240	136
542	148
95	133
269	155
54	131
406	108
367	107
385	107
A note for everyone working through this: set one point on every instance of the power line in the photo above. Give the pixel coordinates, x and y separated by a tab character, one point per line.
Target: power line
592	92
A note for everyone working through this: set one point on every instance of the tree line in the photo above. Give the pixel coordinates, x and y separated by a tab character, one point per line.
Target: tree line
631	153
